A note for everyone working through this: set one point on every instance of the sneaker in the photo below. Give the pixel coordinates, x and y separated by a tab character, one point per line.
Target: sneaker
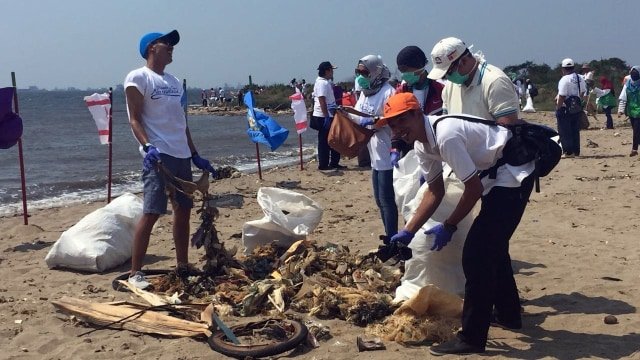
455	346
139	281
634	153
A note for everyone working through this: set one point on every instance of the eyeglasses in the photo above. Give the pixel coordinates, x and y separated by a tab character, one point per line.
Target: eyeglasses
363	72
454	65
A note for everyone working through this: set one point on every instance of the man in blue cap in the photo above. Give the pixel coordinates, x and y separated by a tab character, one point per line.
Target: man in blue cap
156	114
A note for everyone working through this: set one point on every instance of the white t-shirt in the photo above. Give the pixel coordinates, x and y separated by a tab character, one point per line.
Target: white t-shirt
322	87
490	95
568	85
468	147
162	112
380	144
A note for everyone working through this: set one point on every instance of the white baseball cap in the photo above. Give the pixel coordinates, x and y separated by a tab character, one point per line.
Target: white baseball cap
568	63
445	52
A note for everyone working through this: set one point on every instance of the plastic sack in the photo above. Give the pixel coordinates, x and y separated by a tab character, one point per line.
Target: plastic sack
289	216
101	240
528	108
441	268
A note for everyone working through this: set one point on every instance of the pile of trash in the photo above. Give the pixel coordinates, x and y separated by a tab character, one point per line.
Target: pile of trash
326	281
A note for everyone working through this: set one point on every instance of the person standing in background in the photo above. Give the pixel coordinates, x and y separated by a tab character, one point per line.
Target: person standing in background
570	85
629	104
373	77
324	105
474	87
411	62
154	104
605	97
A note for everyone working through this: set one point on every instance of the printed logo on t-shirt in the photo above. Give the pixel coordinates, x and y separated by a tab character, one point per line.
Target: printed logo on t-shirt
165	91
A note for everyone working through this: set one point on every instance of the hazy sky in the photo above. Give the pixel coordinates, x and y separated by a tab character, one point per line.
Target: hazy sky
94	44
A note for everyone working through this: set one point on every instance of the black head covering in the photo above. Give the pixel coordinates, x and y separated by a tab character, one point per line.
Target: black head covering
412	57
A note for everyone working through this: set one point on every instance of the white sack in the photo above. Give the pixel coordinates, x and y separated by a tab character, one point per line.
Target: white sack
528	108
289	216
441	268
101	240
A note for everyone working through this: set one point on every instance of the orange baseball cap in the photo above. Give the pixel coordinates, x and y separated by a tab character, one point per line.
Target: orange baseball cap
396	105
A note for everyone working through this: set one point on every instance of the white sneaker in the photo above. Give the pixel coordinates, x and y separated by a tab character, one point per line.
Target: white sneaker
139	281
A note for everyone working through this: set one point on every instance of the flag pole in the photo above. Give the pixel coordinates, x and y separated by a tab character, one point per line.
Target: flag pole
300	145
257	147
25	214
109	179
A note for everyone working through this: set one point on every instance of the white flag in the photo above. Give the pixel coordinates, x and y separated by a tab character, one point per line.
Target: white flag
299	111
99	106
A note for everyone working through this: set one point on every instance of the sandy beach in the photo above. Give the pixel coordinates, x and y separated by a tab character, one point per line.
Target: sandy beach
575	255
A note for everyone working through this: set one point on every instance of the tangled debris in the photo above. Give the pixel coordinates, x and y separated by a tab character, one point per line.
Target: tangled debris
326	281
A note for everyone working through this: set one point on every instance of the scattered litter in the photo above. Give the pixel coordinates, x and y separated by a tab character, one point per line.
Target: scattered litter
369	345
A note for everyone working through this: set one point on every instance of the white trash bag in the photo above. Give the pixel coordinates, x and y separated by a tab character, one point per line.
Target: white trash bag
441	268
101	240
289	216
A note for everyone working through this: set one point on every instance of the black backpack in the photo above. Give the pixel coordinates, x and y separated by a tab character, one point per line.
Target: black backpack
530	142
533	92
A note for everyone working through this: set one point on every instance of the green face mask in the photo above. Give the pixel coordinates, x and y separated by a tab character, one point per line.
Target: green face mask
363	81
410	77
457	78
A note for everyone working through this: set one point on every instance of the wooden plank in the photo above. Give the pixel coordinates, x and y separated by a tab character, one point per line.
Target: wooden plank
149	322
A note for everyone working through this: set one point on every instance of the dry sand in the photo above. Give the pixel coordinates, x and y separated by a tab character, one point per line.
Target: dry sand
575	254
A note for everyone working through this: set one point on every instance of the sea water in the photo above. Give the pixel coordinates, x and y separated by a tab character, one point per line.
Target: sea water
65	162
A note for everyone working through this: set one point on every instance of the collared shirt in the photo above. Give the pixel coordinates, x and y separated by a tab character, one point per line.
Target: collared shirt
490	95
322	87
468	147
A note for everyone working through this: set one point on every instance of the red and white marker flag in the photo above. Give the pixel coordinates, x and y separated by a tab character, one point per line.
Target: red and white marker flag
99	106
299	111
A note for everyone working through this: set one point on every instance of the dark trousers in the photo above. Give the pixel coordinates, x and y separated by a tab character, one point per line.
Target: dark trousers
327	157
569	130
386	200
635	126
487	264
607	113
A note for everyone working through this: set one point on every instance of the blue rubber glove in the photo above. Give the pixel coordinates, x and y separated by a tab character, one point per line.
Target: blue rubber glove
395	157
366	121
203	164
442	236
151	159
404	237
422	179
327	122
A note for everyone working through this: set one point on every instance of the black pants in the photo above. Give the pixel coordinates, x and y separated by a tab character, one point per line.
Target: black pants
569	130
327	157
635	126
487	264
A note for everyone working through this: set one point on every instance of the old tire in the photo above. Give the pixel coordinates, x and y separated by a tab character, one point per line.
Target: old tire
219	342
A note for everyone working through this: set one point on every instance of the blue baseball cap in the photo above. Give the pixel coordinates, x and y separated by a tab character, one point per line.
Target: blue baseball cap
172	37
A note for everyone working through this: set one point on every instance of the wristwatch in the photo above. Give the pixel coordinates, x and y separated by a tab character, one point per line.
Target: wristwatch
450	228
145	147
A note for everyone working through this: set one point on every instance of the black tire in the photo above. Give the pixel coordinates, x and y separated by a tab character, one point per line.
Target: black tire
118	287
218	341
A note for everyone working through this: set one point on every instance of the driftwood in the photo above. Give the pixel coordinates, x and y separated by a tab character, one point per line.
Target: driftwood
149	322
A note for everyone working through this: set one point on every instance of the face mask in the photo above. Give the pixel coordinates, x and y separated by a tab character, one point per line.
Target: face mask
457	78
363	81
411	77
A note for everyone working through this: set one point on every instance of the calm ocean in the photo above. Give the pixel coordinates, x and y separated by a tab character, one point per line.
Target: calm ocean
65	162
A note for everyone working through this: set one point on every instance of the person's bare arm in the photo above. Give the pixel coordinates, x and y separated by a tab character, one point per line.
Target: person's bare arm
323	105
134	104
511	119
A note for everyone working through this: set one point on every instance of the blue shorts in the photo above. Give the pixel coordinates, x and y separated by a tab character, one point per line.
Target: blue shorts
155	196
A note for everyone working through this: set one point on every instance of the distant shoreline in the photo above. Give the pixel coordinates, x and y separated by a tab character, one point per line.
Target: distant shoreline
229	110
